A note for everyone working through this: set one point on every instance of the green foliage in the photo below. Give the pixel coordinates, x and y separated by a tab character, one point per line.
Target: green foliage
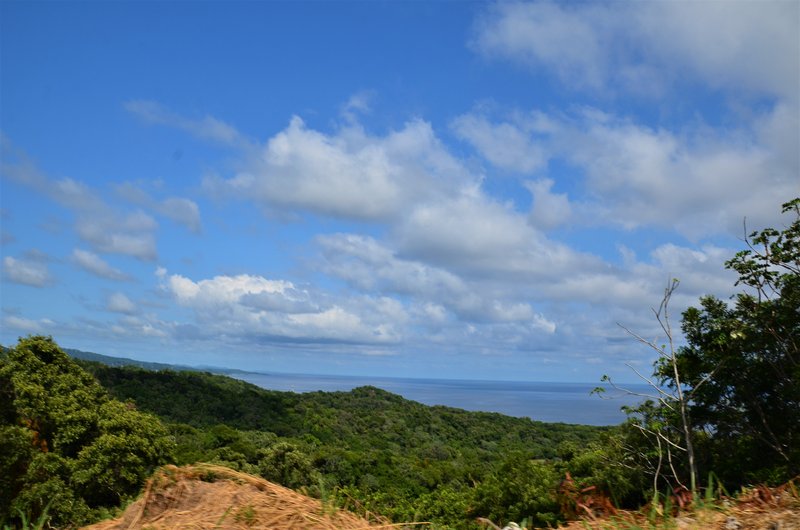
287	464
740	375
520	488
197	398
740	369
367	447
609	465
65	441
743	361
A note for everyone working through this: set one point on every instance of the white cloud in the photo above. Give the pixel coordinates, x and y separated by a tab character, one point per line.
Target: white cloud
369	265
476	235
179	209
182	210
358	104
436	295
130	234
94	264
26	272
27	325
119	303
549	209
349	174
104	227
698	181
570	40
751	45
206	128
505	145
700	184
142	326
645	45
257	309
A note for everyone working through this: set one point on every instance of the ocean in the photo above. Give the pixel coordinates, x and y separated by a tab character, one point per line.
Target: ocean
541	401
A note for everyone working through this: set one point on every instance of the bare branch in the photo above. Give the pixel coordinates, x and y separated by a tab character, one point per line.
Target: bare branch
658	435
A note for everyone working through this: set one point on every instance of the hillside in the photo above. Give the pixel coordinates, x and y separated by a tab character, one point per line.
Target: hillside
86	436
400	458
385	419
209	496
108	360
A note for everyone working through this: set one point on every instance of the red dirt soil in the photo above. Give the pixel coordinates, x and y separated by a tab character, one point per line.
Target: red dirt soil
208	496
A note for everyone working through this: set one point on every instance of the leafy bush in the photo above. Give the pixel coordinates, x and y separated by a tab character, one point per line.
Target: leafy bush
65	441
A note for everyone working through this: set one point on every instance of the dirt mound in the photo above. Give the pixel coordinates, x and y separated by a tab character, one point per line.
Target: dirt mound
209	496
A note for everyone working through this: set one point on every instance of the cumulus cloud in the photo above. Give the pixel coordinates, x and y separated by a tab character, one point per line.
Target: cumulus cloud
26	272
474	234
699	181
436	295
549	209
507	146
130	234
568	305
748	45
751	45
698	178
700	185
569	40
357	104
348	174
138	326
94	264
255	308
181	210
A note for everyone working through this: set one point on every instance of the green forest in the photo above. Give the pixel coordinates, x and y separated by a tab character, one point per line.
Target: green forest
79	438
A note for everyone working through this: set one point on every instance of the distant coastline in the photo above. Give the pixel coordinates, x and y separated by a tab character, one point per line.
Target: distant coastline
538	400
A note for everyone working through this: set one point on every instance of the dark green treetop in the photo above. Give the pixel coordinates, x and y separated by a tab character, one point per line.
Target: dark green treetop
742	360
65	443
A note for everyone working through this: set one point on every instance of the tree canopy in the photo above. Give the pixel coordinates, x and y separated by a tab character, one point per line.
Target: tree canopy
65	443
742	360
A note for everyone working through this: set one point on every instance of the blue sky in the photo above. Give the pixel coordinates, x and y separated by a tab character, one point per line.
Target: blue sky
425	189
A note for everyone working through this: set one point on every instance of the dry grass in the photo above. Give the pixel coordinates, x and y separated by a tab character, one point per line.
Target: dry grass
205	496
759	508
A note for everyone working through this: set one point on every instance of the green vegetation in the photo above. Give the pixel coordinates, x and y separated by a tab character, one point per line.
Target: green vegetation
740	375
744	361
65	443
79	438
392	456
86	446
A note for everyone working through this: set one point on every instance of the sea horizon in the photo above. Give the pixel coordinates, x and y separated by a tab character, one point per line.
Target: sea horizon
547	401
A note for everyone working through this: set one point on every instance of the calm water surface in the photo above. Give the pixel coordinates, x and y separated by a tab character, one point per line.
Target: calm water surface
542	401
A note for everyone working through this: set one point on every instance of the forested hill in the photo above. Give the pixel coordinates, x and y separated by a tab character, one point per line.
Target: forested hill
119	361
363	417
86	435
393	456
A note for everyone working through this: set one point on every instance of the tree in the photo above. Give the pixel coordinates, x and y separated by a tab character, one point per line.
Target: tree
664	418
729	400
749	354
65	441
